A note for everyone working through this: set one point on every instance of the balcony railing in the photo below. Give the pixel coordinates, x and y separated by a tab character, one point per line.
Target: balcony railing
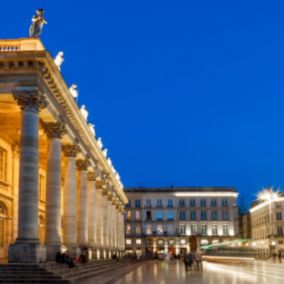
25	44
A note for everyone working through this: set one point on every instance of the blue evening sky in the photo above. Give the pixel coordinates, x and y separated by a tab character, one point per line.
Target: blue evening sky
184	93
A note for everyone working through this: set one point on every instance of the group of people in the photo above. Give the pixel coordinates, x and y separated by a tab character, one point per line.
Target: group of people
276	255
65	258
190	259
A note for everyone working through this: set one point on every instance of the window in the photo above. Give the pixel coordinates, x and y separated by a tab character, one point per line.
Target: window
128	215
138	230
128	241
225	215
3	164
182	241
225	230
138	203
203	215
148	216
137	215
182	215
171	215
192	202
182	229
41	188
203	203
214	215
159	215
159	203
148	203
148	229
3	224
224	202
138	241
128	229
278	216
213	202
279	230
192	215
41	229
181	203
170	203
214	230
160	242
203	229
128	205
160	229
193	229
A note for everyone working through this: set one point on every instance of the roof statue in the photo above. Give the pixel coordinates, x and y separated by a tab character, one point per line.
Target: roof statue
58	60
74	91
109	161
105	152
92	128
84	112
38	21
100	143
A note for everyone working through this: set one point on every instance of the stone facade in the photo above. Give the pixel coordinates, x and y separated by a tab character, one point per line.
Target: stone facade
57	188
267	225
175	220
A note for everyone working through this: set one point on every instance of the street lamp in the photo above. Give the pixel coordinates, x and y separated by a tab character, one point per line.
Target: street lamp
269	195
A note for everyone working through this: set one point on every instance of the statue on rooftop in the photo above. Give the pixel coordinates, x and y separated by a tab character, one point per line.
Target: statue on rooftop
58	60
92	128
74	91
105	152
84	112
100	143
38	21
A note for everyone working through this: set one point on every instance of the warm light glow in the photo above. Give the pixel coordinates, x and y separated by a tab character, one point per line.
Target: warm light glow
268	194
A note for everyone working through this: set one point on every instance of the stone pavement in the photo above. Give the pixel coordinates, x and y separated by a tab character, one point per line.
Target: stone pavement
172	272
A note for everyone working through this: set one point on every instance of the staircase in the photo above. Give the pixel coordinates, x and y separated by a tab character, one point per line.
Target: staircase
52	272
27	273
87	270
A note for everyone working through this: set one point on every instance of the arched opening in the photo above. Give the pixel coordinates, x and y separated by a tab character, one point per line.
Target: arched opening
41	229
4	219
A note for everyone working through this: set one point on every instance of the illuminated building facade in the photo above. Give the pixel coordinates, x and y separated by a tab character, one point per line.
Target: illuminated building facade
167	220
267	224
58	189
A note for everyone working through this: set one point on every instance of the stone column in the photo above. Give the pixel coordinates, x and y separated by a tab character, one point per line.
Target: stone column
105	222
109	225
92	212
70	199
99	218
27	247
82	166
54	132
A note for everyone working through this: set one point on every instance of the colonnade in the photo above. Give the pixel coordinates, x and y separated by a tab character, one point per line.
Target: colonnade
92	216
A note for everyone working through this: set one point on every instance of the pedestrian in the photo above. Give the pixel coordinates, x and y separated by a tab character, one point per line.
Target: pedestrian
188	261
198	259
274	255
280	256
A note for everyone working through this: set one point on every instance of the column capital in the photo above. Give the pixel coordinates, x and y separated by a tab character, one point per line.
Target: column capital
82	165
54	129
92	176
70	150
30	99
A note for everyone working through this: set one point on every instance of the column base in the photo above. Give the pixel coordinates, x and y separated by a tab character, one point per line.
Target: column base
26	252
51	251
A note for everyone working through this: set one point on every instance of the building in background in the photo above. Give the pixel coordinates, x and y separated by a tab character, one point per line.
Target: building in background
179	219
267	223
245	226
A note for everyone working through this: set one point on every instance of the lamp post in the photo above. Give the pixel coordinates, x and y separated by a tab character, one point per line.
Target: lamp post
269	195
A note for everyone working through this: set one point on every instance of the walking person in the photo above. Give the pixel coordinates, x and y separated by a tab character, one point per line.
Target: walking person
188	261
280	256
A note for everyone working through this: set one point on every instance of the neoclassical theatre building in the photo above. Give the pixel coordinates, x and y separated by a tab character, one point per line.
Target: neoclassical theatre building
58	189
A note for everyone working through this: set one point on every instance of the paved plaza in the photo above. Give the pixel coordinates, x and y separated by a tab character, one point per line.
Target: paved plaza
172	272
